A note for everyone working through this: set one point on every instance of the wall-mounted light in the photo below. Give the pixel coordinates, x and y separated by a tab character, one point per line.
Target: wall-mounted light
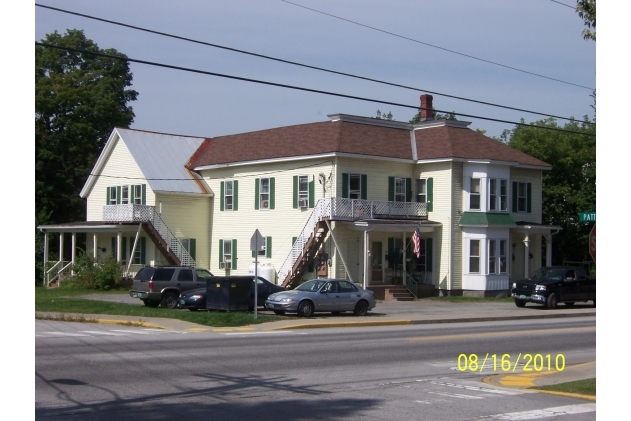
103	250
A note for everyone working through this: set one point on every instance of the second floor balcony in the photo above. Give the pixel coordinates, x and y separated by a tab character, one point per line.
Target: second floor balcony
342	209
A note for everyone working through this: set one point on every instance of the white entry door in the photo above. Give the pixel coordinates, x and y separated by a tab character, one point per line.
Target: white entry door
353	260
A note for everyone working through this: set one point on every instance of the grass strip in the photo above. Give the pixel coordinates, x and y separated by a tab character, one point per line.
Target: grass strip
582	387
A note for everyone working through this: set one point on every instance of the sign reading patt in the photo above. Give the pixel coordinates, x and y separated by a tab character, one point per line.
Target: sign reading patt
587	216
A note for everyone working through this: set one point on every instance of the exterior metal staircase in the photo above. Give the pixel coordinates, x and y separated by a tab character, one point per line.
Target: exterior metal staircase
309	251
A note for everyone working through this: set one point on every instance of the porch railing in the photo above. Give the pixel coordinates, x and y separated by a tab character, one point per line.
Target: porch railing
144	213
58	271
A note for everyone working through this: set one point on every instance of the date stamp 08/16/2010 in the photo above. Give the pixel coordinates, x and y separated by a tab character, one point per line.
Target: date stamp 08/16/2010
505	362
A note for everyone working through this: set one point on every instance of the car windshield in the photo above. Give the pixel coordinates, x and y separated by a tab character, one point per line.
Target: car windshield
310	286
555	274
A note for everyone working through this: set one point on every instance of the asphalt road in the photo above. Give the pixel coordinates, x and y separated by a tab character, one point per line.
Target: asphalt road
101	372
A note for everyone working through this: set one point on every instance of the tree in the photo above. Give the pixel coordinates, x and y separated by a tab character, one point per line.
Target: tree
384	116
570	187
586	9
435	116
79	99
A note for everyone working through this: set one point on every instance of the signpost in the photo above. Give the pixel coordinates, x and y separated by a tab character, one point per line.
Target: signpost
592	243
257	243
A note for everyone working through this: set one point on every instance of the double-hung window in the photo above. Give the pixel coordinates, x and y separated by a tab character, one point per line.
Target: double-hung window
227	254
228	195
474	194
497	256
137	194
112	195
522	195
474	256
421	190
264	193
303	191
498	195
125	195
399	190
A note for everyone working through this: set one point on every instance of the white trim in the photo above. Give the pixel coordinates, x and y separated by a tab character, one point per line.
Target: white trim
177	193
100	163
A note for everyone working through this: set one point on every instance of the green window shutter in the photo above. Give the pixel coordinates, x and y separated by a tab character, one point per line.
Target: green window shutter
131	194
235	195
192	246
144	194
514	196
118	195
529	197
311	193
430	194
390	251
221	250
295	191
114	247
364	187
428	254
124	249
293	240
253	254
268	247
143	250
221	190
256	193
272	191
391	189
107	195
345	185
234	254
408	189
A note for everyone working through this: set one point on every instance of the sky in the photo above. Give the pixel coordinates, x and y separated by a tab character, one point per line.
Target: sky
400	41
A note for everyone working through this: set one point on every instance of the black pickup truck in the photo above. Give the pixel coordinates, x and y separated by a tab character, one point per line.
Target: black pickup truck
551	285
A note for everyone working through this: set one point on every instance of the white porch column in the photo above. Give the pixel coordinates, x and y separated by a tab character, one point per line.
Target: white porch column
61	247
73	252
526	256
366	257
45	248
403	275
119	241
95	249
549	250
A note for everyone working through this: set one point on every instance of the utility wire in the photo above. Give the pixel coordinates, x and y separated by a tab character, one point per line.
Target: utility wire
280	85
563	4
440	48
301	64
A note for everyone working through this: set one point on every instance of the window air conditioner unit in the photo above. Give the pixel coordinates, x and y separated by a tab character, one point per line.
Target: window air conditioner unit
265	204
222	265
303	203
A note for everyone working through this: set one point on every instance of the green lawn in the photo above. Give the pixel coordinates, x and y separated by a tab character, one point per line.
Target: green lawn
583	387
64	300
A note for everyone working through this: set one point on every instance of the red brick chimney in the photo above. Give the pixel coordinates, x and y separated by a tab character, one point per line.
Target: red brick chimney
426	107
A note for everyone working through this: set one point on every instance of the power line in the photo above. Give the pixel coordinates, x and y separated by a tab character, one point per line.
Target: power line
563	4
440	48
299	88
302	64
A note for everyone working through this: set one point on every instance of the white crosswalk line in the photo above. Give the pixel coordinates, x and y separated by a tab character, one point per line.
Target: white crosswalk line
131	332
542	413
101	332
64	334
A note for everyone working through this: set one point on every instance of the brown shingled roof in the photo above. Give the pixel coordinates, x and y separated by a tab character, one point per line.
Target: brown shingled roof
304	140
456	142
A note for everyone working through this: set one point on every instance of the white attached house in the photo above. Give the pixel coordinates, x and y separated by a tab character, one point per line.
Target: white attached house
338	198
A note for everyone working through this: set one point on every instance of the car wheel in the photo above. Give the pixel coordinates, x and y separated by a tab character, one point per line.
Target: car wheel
305	309
151	303
361	308
279	312
569	304
552	301
520	303
169	300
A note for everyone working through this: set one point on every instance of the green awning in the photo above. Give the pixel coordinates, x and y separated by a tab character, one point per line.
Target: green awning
485	219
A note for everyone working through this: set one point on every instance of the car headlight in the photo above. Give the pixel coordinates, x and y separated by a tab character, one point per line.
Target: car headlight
514	284
286	300
196	297
540	288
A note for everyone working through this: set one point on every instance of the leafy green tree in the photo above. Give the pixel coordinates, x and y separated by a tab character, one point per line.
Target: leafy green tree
436	116
586	9
570	187
79	99
384	116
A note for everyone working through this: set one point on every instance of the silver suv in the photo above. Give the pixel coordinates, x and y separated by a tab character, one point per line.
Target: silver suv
162	285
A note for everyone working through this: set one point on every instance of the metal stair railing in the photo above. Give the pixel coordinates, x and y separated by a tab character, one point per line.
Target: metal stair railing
57	271
411	284
144	213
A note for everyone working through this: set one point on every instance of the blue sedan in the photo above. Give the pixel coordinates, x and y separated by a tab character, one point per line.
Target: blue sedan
322	295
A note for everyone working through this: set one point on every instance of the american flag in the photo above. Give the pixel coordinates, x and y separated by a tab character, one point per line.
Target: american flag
416	239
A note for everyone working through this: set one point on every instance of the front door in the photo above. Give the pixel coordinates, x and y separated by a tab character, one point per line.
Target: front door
352	260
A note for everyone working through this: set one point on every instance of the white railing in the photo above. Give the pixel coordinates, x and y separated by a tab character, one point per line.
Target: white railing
342	209
59	270
144	213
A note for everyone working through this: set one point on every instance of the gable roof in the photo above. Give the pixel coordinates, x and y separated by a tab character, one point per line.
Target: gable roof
361	136
160	157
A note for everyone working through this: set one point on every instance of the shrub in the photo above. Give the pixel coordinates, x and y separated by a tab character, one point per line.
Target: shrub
105	276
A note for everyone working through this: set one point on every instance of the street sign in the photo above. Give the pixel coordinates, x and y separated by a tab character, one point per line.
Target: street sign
592	243
587	216
257	242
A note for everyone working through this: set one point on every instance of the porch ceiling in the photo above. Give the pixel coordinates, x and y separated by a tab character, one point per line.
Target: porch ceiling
90	226
393	225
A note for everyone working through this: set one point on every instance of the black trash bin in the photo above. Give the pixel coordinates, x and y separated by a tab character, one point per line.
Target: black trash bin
228	293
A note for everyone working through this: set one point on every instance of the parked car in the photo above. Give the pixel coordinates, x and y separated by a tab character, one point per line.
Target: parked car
196	299
551	285
323	295
162	285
